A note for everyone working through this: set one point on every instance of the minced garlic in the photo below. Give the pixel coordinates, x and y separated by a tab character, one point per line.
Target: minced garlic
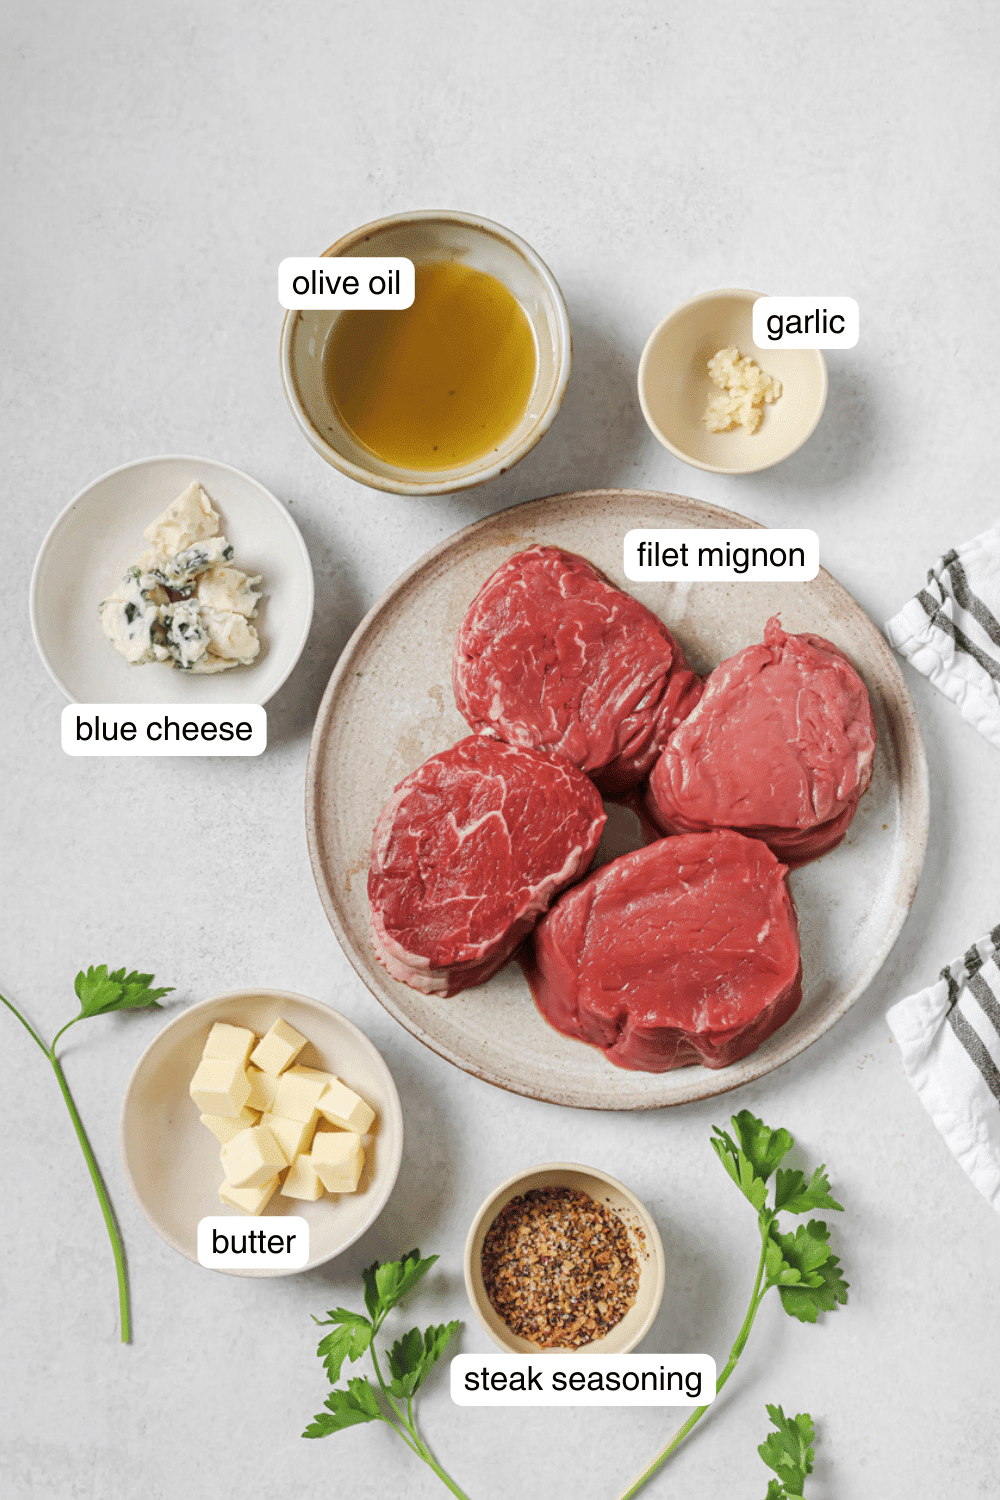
744	388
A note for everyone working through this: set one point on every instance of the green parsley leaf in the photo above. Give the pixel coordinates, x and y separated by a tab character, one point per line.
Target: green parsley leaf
805	1250
792	1194
740	1168
348	1341
385	1285
100	992
806	1302
789	1452
346	1409
763	1146
412	1357
753	1156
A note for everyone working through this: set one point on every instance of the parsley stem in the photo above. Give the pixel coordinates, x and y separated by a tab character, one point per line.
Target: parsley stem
414	1441
29	1029
757	1296
114	1233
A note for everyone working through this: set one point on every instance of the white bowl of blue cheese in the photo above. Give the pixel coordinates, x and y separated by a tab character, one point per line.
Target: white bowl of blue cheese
215	608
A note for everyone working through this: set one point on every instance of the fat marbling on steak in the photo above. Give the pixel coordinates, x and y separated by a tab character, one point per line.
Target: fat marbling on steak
686	951
780	746
552	656
467	854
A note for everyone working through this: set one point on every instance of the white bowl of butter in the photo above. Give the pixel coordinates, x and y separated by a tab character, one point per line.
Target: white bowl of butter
676	387
172	1161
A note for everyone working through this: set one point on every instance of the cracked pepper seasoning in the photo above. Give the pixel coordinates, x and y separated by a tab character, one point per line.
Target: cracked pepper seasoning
559	1268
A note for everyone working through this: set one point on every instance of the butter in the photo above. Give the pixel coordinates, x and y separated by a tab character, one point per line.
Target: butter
252	1158
263	1087
220	1087
299	1093
263	1108
224	1130
248	1200
278	1048
342	1106
293	1136
337	1158
302	1181
229	1041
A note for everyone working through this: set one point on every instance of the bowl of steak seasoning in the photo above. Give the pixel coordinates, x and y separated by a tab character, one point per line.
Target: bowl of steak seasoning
564	1257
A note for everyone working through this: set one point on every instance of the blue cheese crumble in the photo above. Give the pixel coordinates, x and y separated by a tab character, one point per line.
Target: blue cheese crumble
182	601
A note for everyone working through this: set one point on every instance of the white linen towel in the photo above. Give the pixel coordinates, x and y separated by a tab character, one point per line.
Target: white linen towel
951	630
949	1035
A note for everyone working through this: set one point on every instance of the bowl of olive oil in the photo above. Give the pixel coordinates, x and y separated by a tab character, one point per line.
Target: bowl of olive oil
449	392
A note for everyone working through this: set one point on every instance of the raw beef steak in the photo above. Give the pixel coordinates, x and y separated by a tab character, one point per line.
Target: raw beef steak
552	656
780	746
686	951
466	855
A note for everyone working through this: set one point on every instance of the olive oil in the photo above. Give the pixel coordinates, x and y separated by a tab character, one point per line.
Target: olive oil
439	383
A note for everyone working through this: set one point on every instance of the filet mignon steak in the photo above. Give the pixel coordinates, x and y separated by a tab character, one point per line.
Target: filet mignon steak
686	951
468	852
780	746
551	655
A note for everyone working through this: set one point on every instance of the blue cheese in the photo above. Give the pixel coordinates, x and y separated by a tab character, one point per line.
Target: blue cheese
181	602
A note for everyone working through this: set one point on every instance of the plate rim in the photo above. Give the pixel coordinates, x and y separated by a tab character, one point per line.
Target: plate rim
140	463
254	993
709	1082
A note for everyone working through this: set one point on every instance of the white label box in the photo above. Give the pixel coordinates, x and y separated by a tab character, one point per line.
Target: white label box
164	729
758	555
341	281
241	1242
806	323
565	1379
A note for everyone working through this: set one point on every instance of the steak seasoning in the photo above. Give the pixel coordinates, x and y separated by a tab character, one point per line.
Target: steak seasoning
559	1268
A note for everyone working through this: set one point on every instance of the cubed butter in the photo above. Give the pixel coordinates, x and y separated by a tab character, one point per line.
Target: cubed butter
301	1181
263	1087
249	1200
299	1093
220	1086
278	1048
293	1136
229	1041
342	1106
224	1129
337	1158
252	1158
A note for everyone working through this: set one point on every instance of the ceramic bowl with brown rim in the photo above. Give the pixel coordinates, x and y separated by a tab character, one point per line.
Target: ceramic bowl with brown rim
426	236
644	1239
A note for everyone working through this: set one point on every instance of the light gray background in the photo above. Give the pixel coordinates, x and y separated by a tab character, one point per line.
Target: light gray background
163	163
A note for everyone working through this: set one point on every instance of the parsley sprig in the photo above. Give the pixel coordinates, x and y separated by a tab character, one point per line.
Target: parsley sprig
410	1360
99	993
789	1452
801	1266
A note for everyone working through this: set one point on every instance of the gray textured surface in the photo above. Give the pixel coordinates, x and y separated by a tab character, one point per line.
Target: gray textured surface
161	168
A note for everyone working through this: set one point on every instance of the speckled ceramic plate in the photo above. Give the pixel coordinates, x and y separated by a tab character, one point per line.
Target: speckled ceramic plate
389	705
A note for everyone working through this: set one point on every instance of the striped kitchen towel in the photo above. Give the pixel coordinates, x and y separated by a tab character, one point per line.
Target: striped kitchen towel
951	630
949	1036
